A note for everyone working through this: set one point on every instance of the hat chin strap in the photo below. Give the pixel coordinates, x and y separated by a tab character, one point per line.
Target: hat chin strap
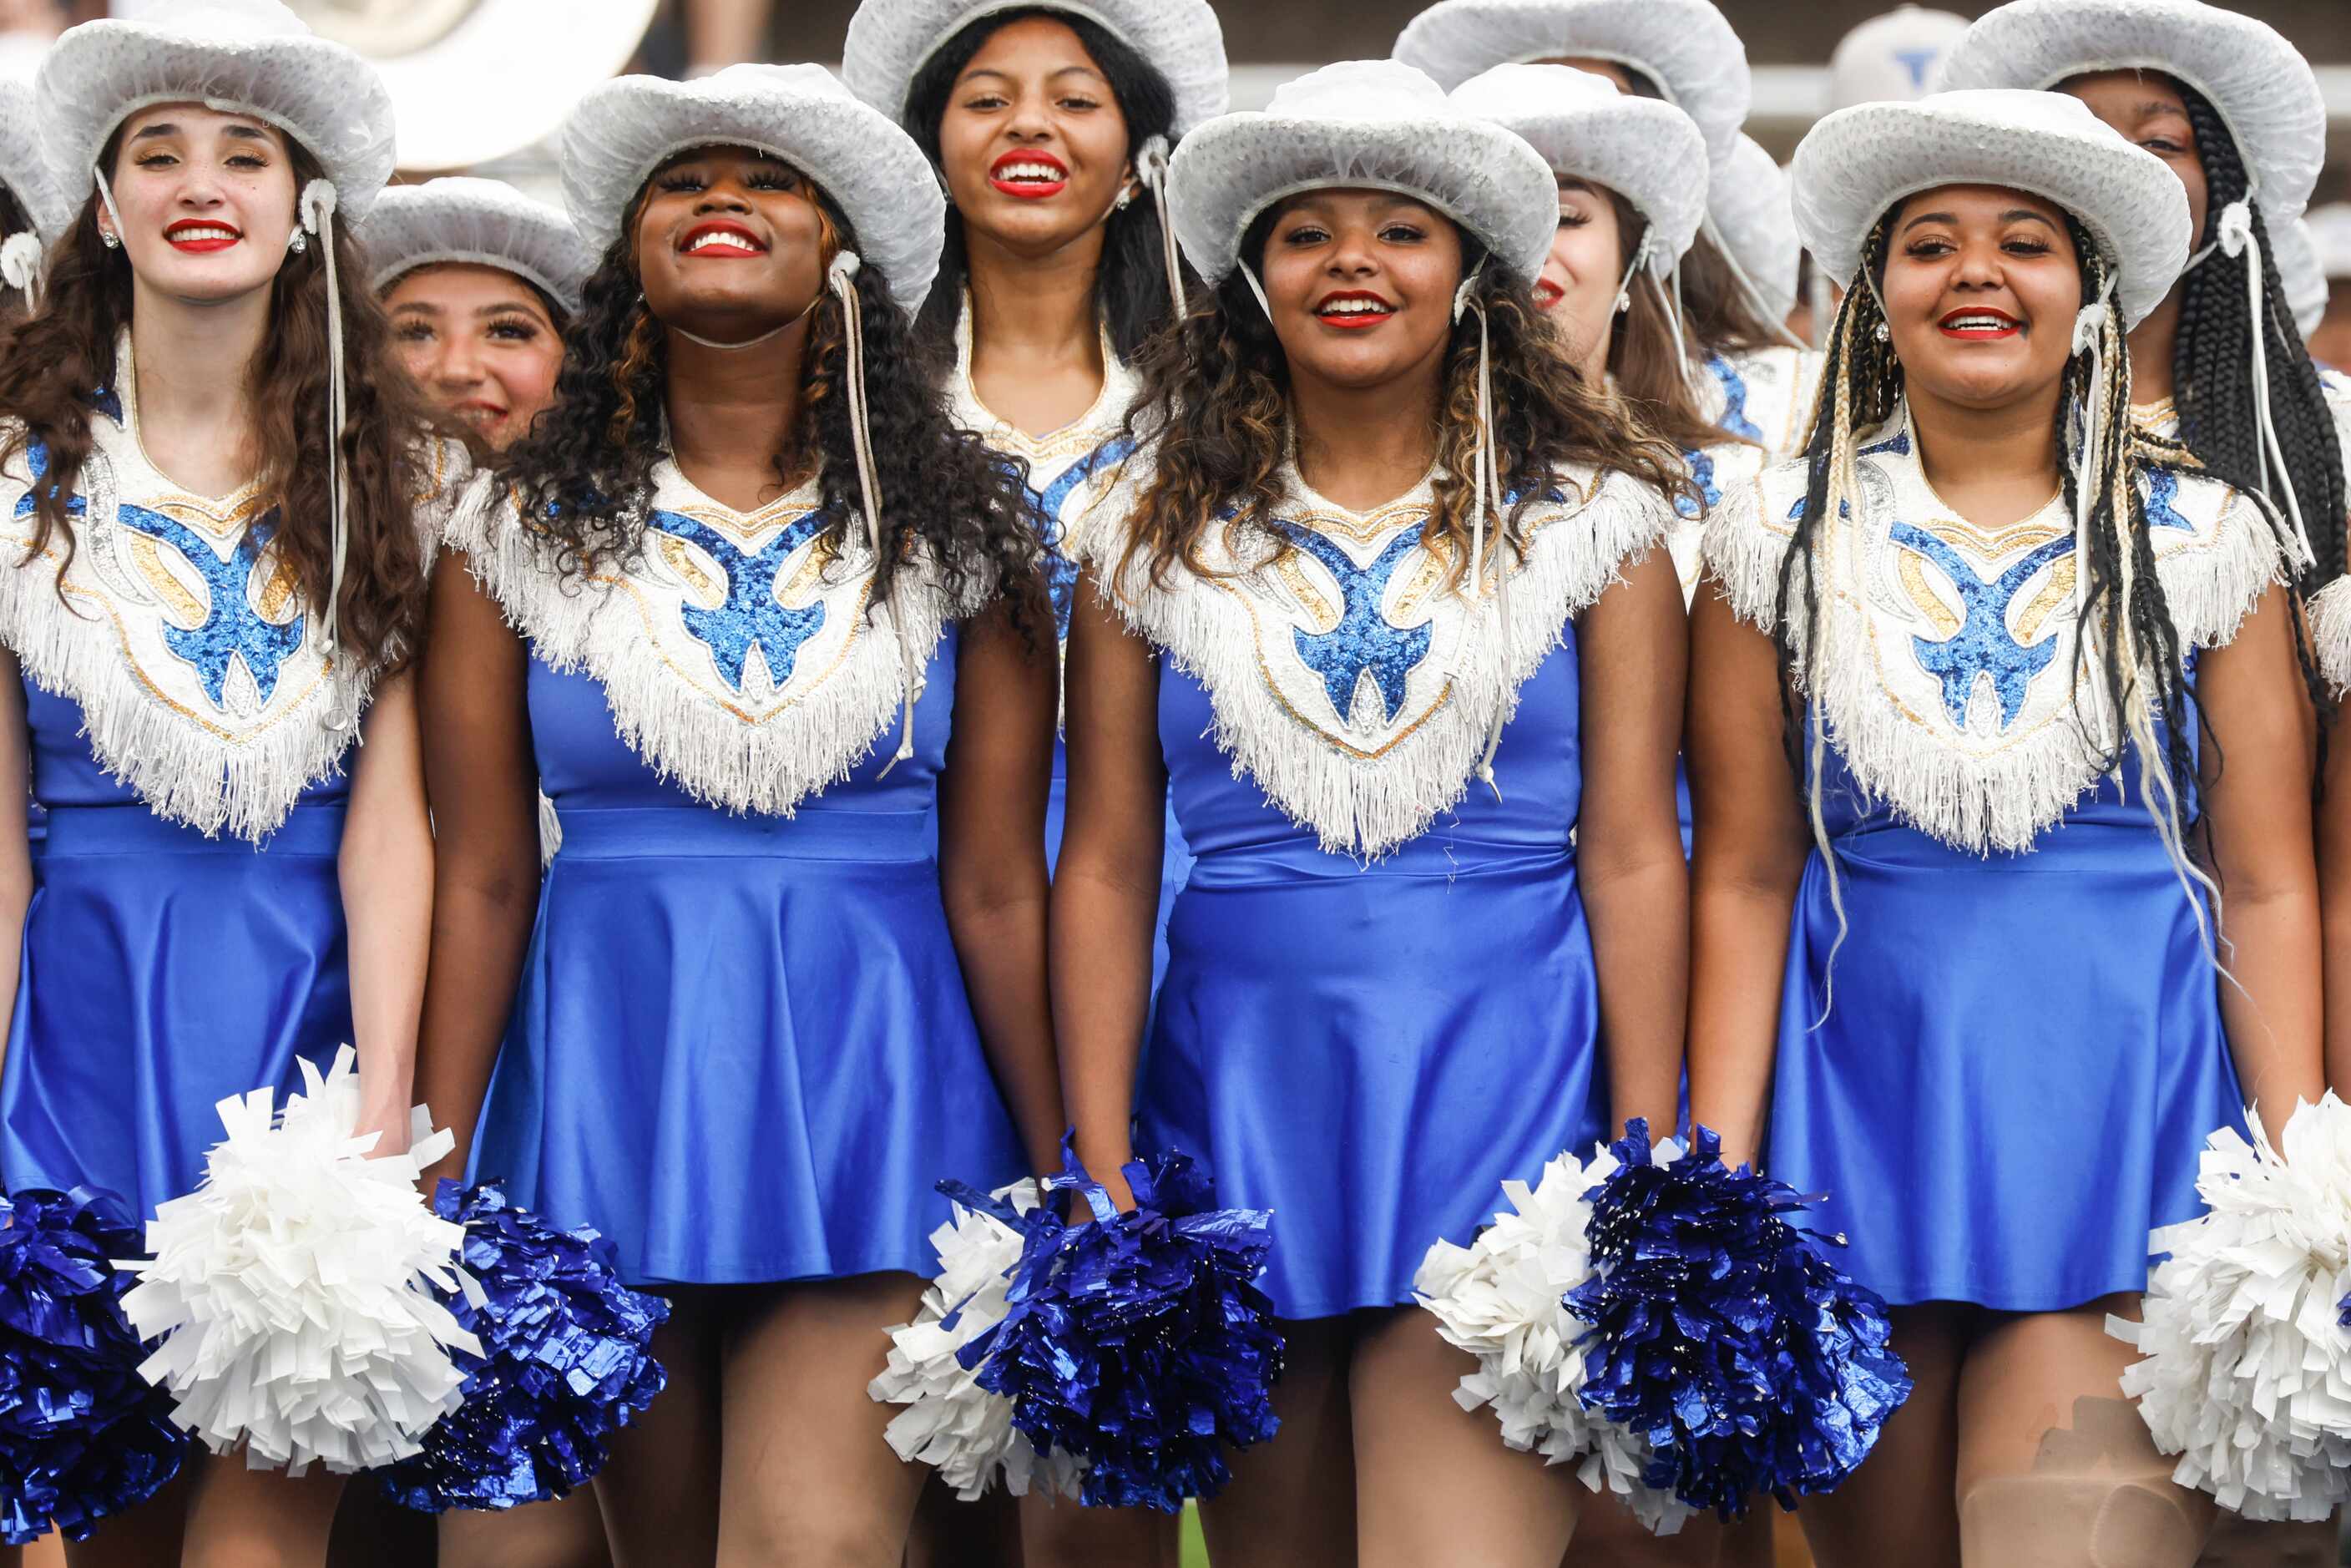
842	279
2237	238
318	214
1151	168
1752	295
773	332
1486	496
2090	337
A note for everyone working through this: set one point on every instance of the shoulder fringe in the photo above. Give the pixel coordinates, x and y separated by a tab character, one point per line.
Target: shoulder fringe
764	768
180	770
2330	634
1366	807
2004	800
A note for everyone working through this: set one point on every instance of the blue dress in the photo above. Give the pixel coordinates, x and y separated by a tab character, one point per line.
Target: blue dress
2004	1072
741	1045
185	941
1380	1001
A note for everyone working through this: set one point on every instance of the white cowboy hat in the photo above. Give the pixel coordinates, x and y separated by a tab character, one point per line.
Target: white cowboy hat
623	130
890	42
1858	162
1377	124
1754	217
482	222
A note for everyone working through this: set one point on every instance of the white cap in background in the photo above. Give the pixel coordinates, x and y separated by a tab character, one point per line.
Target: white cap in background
1893	57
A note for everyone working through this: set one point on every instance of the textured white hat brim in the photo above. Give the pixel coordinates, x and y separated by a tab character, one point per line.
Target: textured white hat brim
623	130
1685	46
2296	250
503	79
1482	177
1755	219
320	93
1857	162
476	223
890	42
2264	90
1648	152
22	167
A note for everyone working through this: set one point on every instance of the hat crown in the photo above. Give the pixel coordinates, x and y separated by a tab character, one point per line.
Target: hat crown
2055	112
226	21
1514	94
1359	89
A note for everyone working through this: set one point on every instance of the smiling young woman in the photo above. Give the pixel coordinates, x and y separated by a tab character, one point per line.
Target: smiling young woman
1977	611
1389	698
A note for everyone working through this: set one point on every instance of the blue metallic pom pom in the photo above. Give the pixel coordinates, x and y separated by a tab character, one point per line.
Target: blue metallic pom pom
83	1435
565	1363
1722	1335
1139	1343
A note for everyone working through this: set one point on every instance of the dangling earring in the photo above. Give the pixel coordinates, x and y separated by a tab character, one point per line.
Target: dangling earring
300	243
110	239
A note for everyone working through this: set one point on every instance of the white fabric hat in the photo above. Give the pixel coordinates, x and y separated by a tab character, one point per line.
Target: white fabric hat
504	75
621	131
2330	233
1754	218
246	57
2296	250
1375	124
2263	89
890	42
1648	152
1683	46
1857	162
1893	57
485	223
21	168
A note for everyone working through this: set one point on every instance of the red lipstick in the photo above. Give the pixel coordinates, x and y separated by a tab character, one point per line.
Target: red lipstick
202	236
1353	309
1030	173
721	239
1979	324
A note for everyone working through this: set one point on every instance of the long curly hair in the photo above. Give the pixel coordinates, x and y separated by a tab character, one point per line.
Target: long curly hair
2212	374
585	469
53	362
1215	408
1130	296
1646	355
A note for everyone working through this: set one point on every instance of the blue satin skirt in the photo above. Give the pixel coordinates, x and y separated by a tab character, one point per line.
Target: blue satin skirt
2018	1069
163	972
1369	1053
742	1048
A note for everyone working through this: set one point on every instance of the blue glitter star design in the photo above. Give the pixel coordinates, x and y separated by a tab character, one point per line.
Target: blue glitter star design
1060	571
2162	491
751	616
1365	639
1733	418
1982	645
233	628
1701	469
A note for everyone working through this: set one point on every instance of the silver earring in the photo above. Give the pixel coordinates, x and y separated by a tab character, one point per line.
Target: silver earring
1125	199
300	243
1624	301
1882	333
110	239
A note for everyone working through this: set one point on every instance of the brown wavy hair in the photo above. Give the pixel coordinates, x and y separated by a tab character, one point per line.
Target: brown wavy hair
53	363
1216	410
1646	355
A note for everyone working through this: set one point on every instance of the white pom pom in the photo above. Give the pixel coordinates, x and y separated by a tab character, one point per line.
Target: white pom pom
950	1421
1499	1299
295	1291
2245	1375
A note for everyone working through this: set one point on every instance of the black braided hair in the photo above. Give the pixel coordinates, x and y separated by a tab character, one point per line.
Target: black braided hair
1861	383
2212	374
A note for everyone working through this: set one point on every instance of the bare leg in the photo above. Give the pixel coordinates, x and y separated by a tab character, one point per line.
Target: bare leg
566	1534
2056	1467
951	1534
659	1494
1750	1542
808	1478
1608	1536
241	1517
2239	1542
374	1531
1063	1535
1292	1503
1434	1482
1898	1507
151	1533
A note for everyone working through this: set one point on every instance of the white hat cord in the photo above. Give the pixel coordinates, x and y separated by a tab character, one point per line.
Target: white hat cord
841	278
1747	290
2090	338
2235	239
1151	168
1485	493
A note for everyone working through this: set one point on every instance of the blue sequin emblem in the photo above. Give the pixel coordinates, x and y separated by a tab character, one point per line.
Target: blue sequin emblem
751	616
1060	571
2162	491
1365	639
1733	418
1984	643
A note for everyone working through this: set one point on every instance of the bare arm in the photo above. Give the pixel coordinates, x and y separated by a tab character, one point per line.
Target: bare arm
483	780
1106	887
386	869
1751	844
992	797
16	854
1635	652
2257	831
2335	901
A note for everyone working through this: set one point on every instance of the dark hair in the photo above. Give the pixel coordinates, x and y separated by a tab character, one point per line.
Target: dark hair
52	363
2213	374
1216	403
1648	358
1131	297
585	469
1861	383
